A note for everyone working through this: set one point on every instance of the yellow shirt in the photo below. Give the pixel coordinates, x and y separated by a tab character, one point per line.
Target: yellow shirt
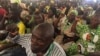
21	27
15	1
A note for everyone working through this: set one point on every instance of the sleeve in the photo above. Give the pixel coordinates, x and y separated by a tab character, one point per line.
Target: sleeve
24	40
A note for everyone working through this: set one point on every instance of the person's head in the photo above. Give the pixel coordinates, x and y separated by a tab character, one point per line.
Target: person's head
38	18
74	4
12	29
71	17
27	19
2	13
42	37
95	21
50	13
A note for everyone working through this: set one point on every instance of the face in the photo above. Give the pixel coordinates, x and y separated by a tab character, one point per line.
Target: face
38	19
38	42
94	22
71	17
50	13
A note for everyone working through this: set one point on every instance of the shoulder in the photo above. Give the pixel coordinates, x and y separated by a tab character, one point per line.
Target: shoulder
24	40
59	49
26	35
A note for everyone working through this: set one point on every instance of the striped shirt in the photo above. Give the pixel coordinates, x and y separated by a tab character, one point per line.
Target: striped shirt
25	41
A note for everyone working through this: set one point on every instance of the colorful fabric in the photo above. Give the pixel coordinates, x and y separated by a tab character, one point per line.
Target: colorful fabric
89	41
62	23
24	14
89	38
73	10
56	50
72	50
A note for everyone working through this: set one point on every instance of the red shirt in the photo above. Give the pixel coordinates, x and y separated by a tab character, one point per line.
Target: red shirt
2	12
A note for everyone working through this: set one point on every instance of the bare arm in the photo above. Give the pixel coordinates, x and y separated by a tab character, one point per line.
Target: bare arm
5	45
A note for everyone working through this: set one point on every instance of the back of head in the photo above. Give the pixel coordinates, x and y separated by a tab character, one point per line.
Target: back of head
12	27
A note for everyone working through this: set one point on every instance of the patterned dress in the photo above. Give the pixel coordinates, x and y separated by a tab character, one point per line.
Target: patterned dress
89	39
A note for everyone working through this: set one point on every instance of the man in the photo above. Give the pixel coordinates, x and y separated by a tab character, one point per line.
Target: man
3	16
44	46
40	43
3	13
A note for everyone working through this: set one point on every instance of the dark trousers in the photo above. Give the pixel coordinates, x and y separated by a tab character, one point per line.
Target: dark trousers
14	51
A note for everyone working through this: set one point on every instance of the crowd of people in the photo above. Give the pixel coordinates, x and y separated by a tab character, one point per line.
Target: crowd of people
30	28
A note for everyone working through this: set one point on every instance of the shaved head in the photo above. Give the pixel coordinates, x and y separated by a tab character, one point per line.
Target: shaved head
44	29
42	37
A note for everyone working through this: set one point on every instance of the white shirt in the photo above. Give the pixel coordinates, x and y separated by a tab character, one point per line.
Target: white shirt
54	50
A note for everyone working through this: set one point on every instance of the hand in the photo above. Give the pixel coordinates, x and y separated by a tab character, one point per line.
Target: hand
70	34
1	47
13	34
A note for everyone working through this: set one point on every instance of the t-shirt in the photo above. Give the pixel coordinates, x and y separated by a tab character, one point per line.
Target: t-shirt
21	27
